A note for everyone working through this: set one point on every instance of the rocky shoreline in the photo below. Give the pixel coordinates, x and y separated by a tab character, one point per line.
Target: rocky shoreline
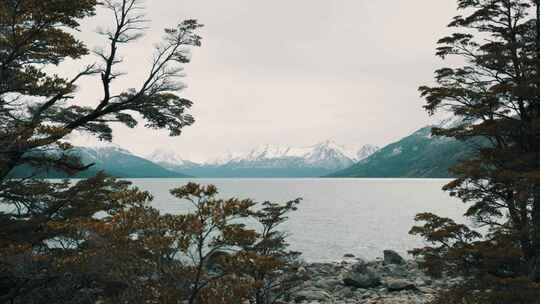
389	280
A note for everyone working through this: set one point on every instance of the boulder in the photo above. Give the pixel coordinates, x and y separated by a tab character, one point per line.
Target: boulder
362	276
392	257
399	284
394	270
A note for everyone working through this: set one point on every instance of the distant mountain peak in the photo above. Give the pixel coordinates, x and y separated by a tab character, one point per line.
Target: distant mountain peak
164	155
222	160
324	157
416	155
329	143
169	159
110	148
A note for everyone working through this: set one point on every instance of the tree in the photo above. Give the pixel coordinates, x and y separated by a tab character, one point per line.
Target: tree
39	110
45	242
229	258
209	254
99	240
496	95
215	232
47	224
267	260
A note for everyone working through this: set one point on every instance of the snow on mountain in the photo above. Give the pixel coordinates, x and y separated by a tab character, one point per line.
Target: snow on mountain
167	157
99	152
330	155
266	152
171	160
365	152
222	160
325	156
313	154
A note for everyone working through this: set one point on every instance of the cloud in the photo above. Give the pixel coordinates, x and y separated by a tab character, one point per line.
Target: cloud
291	72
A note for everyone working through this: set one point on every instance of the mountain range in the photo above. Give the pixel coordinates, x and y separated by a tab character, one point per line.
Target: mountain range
271	161
419	155
115	161
414	156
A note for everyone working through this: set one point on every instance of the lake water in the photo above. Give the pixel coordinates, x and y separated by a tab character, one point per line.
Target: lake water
336	216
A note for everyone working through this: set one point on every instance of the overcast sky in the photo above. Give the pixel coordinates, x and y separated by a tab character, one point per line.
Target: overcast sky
290	72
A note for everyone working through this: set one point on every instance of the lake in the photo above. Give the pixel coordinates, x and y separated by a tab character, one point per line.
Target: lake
336	216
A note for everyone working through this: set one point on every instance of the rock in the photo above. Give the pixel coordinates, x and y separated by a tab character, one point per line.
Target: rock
311	295
420	282
348	255
327	283
393	270
360	266
399	284
323	269
362	276
361	281
392	257
355	281
344	293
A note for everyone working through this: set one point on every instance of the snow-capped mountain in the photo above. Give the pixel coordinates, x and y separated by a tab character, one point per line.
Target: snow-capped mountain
271	161
120	162
223	159
327	154
100	153
365	152
419	155
167	158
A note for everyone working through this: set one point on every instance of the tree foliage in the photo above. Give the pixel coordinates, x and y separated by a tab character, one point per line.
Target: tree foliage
496	96
99	240
267	260
39	109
